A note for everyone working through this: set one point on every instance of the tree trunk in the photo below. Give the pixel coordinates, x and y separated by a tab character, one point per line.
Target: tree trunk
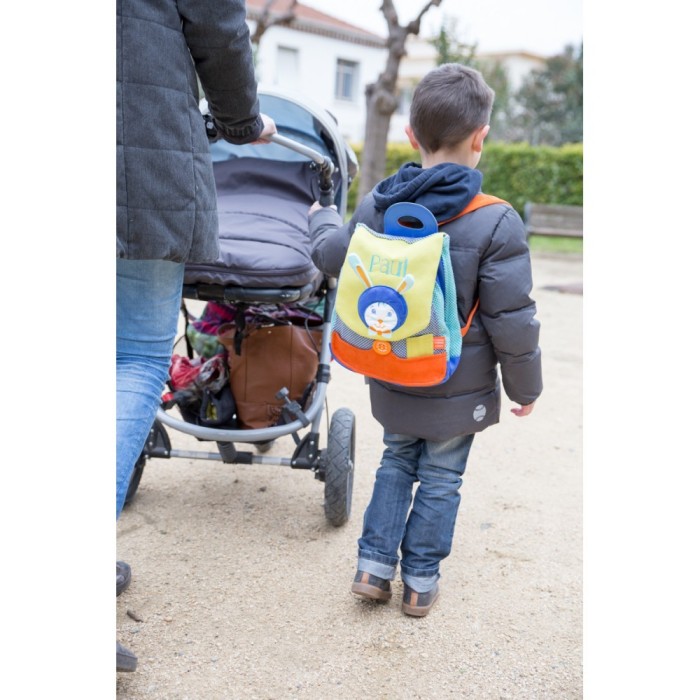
381	98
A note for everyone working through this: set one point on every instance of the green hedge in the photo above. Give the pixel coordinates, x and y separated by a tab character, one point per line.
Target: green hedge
515	172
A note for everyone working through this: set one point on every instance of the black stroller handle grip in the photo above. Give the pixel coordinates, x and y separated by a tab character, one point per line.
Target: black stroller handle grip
326	198
210	126
326	184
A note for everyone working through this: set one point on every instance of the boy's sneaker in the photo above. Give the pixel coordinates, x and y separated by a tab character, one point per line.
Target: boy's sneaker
123	576
418	604
372	587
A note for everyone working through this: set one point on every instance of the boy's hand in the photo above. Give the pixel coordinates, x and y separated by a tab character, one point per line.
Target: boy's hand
523	410
317	205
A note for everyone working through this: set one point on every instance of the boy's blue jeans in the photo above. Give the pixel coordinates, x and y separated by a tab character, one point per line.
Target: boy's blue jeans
423	531
149	293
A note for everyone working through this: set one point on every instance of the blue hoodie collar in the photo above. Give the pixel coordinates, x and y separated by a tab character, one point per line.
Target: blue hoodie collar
444	189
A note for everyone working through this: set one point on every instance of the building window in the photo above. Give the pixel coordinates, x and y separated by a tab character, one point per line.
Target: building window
346	80
287	74
405	98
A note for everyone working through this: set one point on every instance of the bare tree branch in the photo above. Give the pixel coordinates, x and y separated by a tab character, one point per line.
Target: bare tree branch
413	27
268	20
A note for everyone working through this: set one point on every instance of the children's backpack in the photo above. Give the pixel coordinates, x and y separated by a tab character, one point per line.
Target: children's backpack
395	317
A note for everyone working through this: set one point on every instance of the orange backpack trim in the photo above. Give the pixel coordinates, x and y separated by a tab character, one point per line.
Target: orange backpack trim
415	371
470	319
480	200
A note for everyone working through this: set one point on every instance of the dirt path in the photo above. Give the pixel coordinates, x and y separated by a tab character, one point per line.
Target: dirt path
241	590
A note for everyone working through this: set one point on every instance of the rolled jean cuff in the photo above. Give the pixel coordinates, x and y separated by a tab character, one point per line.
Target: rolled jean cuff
375	567
420	580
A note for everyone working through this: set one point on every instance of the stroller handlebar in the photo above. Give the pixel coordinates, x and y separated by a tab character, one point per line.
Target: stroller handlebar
325	165
315	156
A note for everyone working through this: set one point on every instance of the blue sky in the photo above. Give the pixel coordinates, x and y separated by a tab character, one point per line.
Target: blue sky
538	26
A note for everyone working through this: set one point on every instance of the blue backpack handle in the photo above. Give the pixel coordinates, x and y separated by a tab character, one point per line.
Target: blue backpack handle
394	227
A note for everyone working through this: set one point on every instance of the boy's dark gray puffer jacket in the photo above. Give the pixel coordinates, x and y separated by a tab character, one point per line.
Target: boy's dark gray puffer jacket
491	261
166	199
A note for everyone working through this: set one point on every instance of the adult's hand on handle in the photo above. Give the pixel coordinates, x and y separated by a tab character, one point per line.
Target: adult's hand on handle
269	128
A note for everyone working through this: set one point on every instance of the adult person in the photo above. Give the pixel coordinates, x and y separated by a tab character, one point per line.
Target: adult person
166	198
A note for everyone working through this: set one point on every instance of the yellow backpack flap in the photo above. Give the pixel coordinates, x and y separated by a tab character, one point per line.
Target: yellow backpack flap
377	282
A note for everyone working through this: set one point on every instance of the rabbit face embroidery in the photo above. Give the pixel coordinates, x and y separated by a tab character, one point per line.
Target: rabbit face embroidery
380	319
382	309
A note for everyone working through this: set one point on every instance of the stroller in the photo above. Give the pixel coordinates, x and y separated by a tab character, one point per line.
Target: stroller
266	318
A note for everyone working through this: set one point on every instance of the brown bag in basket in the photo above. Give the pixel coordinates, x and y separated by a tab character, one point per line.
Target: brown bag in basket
271	357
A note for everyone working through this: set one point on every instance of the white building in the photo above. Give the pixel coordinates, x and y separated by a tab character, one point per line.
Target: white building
518	64
323	58
330	62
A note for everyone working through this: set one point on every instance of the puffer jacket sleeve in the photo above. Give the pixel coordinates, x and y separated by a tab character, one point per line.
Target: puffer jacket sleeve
330	238
508	312
219	40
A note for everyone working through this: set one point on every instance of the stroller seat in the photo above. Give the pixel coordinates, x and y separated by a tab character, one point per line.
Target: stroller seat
265	250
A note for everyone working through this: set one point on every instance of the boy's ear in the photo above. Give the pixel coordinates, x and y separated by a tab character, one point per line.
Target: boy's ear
479	138
411	137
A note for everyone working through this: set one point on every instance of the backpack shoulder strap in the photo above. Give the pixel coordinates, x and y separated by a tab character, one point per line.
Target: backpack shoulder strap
466	326
480	200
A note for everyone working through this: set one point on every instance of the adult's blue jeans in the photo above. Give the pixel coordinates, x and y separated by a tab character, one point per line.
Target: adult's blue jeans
149	293
422	529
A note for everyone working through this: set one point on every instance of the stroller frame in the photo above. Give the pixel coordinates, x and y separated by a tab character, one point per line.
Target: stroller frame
332	465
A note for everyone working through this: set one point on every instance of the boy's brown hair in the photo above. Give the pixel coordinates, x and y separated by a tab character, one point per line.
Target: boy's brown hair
449	104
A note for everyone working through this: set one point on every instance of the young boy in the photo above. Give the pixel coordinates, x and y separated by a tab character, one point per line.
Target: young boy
428	431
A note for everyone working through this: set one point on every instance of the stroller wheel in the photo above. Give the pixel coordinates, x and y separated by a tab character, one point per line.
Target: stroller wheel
157	444
135	478
339	467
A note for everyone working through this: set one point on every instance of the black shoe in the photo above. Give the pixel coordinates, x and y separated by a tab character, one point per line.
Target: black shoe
126	660
123	576
372	587
418	604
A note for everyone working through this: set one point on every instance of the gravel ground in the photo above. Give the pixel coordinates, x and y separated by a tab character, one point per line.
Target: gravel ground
242	590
